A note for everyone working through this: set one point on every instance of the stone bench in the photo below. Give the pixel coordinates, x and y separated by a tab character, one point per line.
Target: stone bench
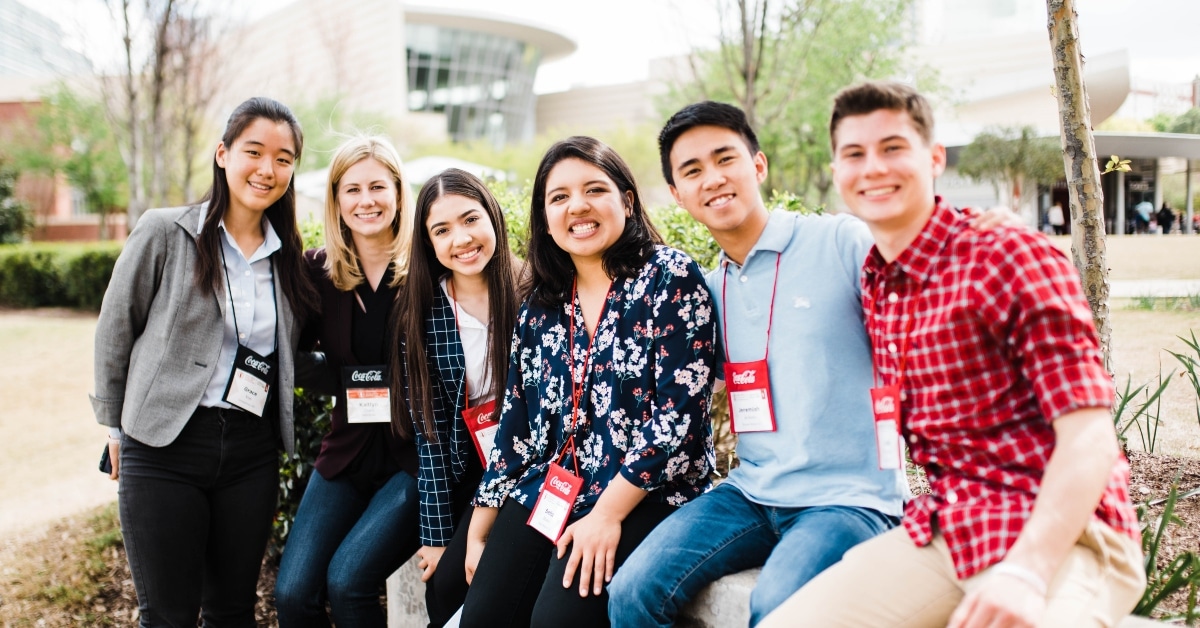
723	604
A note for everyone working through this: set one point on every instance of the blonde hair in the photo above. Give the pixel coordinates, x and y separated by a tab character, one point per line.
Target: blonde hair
341	260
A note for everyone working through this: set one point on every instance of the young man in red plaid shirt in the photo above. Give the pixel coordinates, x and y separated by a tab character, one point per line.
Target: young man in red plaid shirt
987	363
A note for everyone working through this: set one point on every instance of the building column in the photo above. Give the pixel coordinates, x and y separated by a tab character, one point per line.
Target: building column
1158	183
1187	218
1119	228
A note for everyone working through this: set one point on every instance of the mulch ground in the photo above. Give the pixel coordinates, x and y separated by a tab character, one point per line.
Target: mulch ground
116	603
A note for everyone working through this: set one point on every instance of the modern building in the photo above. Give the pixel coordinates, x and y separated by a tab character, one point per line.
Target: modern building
440	72
31	45
32	57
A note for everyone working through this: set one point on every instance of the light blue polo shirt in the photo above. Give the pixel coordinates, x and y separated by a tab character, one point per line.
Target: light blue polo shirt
823	451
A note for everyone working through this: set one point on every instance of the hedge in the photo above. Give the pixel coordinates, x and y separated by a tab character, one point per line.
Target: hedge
56	274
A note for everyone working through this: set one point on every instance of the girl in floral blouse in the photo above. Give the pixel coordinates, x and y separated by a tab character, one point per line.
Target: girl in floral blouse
608	390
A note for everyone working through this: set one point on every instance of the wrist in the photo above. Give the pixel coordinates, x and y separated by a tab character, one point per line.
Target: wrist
1022	573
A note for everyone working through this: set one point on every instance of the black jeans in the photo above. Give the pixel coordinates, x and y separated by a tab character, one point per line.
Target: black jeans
519	578
196	516
447	589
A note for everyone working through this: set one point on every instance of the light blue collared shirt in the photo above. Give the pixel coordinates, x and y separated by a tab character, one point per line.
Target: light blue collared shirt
250	295
823	450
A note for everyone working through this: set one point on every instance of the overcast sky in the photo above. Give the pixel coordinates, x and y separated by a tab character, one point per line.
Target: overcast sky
617	38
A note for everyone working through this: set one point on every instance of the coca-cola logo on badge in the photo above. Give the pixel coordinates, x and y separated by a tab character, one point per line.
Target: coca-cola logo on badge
745	377
485	418
367	376
258	365
885	405
560	485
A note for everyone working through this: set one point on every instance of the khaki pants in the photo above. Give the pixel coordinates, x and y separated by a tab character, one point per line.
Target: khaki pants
889	581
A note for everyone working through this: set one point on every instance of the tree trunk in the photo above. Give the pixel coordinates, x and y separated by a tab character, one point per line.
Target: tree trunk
1082	167
133	150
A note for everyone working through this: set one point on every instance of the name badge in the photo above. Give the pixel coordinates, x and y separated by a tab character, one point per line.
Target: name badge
368	398
749	387
553	506
885	405
483	424
249	384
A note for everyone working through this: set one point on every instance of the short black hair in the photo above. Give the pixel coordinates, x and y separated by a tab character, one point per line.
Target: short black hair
707	113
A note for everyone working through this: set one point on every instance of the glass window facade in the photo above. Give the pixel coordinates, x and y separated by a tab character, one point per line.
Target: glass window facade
483	83
31	45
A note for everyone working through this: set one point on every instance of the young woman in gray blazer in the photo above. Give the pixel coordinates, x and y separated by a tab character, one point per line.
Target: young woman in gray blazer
194	368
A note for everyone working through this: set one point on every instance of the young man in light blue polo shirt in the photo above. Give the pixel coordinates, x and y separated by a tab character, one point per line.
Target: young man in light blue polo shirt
788	292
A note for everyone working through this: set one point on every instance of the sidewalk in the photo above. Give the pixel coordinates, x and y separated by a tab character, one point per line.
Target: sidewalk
1133	288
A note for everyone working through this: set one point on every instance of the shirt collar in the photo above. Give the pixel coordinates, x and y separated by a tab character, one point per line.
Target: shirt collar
271	242
916	261
774	238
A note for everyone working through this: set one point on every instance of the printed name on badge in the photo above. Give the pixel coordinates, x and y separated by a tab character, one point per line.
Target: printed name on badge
249	385
368	399
885	405
749	387
483	424
554	504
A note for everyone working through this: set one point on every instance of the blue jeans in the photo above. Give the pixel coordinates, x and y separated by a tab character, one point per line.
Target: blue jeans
722	532
342	547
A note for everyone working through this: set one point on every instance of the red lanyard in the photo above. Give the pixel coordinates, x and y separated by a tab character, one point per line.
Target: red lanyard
577	383
770	313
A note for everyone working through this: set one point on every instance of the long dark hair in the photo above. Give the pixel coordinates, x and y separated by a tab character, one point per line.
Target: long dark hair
415	304
552	270
292	273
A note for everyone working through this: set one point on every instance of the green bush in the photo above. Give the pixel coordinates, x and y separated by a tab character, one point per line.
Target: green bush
55	274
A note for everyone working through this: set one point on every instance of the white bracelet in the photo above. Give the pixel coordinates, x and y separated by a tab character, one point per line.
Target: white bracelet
1024	574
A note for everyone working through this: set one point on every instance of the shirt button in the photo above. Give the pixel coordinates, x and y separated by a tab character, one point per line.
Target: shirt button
247	273
912	438
242	336
891	347
893	297
903	396
951	497
744	279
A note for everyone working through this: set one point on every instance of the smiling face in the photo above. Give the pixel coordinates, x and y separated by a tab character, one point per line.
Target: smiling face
884	170
717	179
258	165
367	199
585	210
462	235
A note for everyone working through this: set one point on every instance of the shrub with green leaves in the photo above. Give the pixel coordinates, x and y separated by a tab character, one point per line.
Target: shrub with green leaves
56	274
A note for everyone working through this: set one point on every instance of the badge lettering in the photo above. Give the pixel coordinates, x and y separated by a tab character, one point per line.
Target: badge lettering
367	376
560	486
743	378
258	365
885	405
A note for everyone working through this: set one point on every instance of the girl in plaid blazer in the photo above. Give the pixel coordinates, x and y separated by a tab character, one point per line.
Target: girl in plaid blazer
455	324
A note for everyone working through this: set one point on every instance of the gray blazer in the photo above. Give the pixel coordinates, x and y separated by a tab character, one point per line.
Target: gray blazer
159	335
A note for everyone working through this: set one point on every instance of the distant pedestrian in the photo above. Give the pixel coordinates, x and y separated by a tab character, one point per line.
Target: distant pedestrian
1055	216
1166	218
1142	215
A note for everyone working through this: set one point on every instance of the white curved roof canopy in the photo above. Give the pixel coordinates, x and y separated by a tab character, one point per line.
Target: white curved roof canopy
552	44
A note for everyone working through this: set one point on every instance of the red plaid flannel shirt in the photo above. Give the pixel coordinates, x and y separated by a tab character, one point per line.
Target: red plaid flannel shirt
1001	343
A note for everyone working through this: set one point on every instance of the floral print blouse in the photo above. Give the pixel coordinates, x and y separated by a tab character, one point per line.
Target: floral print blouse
647	391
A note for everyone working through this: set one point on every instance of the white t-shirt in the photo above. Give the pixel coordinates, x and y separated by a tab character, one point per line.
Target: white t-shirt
474	336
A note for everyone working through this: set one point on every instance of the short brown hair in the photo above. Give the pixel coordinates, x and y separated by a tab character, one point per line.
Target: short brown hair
871	96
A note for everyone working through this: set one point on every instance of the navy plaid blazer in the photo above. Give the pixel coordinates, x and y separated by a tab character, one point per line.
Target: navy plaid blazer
442	464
